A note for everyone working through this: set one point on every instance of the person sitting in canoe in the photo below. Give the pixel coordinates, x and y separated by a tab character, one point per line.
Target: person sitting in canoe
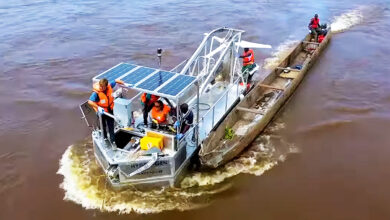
247	63
314	26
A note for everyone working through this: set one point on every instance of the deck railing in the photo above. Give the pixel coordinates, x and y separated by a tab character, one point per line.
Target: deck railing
218	110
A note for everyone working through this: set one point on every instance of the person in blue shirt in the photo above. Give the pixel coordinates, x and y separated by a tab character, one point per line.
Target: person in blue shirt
102	101
186	120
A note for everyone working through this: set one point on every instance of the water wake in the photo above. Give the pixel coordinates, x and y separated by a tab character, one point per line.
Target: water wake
325	126
339	23
347	20
85	183
354	17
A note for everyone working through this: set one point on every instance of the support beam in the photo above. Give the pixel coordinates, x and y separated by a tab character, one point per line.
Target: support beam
309	42
249	110
282	68
270	87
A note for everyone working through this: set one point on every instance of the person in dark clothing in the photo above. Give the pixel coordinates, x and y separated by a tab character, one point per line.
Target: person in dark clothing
187	118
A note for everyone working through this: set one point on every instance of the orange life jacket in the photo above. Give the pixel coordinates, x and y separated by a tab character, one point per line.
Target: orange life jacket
315	22
160	116
106	101
249	58
151	100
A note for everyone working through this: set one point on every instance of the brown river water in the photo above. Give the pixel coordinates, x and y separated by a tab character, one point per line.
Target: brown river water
325	156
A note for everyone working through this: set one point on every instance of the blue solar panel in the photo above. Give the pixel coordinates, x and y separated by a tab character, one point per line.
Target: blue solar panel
137	75
117	72
156	80
175	86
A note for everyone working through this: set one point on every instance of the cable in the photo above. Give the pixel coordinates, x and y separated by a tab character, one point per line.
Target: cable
208	107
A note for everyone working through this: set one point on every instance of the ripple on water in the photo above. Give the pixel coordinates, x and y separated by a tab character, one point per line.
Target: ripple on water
325	126
10	178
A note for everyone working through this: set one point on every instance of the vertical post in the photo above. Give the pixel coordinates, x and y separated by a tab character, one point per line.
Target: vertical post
212	121
159	52
101	126
197	114
178	128
227	98
238	85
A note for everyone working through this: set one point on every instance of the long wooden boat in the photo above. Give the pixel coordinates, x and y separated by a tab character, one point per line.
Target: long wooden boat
249	118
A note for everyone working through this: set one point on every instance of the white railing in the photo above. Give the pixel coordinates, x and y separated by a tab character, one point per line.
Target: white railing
179	67
217	111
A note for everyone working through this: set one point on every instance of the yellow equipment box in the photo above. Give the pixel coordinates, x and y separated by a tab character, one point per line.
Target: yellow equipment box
149	142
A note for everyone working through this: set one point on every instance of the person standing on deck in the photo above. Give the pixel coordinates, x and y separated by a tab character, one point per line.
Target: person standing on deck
102	101
185	121
314	26
147	101
247	63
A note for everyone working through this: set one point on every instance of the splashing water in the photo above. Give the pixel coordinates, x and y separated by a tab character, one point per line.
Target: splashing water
347	20
85	183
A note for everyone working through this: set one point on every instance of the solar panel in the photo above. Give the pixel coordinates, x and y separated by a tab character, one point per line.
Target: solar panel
148	79
175	86
138	75
116	72
156	80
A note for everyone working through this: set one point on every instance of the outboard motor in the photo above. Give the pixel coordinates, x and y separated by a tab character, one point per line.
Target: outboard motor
324	29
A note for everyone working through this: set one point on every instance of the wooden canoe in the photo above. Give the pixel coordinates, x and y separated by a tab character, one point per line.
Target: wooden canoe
249	117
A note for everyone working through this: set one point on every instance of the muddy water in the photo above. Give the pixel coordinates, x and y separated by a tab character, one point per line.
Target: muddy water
324	157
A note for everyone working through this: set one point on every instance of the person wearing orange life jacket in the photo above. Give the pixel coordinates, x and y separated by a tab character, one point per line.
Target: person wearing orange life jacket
314	26
160	112
248	62
147	101
101	101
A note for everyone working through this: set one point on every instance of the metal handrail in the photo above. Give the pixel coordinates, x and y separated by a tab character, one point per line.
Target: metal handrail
184	138
202	44
212	108
179	65
214	69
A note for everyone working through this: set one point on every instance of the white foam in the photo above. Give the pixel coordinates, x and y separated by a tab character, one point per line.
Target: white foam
85	184
256	160
347	20
70	184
